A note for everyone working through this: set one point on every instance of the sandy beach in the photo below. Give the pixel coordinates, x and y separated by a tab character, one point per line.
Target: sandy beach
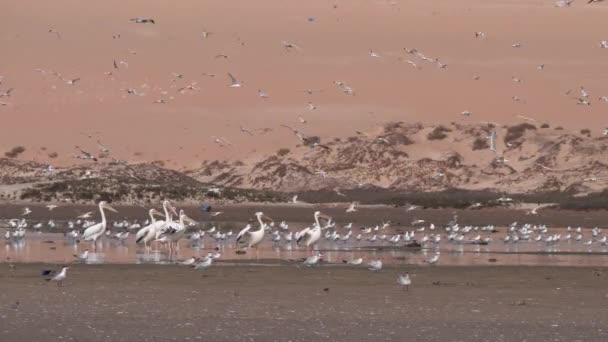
290	303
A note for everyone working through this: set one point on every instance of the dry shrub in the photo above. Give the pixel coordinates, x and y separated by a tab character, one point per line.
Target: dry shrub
438	133
480	144
283	152
53	155
585	131
517	131
15	151
545	125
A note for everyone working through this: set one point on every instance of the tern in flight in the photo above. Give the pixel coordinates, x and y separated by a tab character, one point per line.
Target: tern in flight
233	82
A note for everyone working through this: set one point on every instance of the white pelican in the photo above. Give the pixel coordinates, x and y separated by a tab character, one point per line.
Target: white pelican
255	237
148	233
313	235
172	232
405	281
94	232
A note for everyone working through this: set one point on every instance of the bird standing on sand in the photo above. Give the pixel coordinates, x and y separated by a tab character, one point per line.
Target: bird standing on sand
59	278
375	265
234	83
313	260
352	208
405	281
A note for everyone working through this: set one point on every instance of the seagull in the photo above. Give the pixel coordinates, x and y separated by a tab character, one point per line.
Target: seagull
405	281
288	46
7	93
311	106
26	211
583	101
59	278
56	33
244	130
375	265
516	45
357	261
564	3
604	44
83	256
204	263
480	35
313	260
540	67
312	91
217	213
139	20
102	148
86	215
294	199
373	54
188	262
412	207
73	81
51	207
352	207
466	113
433	260
233	82
262	94
302	120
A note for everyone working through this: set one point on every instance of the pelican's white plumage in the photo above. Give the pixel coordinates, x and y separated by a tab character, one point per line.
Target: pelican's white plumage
95	231
256	236
148	233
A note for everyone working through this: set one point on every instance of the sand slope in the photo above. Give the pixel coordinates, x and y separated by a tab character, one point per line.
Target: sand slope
44	111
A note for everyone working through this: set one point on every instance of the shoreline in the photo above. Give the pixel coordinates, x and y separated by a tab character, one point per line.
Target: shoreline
245	303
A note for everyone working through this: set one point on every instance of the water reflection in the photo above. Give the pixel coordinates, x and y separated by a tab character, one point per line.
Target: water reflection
55	248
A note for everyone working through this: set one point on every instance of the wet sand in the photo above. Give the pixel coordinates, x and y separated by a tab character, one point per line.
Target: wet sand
287	303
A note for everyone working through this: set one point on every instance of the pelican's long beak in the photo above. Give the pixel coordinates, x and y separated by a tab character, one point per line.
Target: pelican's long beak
173	210
267	219
110	208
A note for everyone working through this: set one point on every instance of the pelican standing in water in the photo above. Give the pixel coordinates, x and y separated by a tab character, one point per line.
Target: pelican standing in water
256	236
312	235
95	231
148	233
172	232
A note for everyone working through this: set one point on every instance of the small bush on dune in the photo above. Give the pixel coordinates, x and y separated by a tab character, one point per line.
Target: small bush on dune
15	151
438	133
282	152
480	144
517	131
545	125
53	155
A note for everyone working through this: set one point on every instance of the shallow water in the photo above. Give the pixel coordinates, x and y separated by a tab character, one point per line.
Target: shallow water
55	248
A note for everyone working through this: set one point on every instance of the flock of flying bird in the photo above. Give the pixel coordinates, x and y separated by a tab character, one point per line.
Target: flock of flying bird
162	229
413	57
